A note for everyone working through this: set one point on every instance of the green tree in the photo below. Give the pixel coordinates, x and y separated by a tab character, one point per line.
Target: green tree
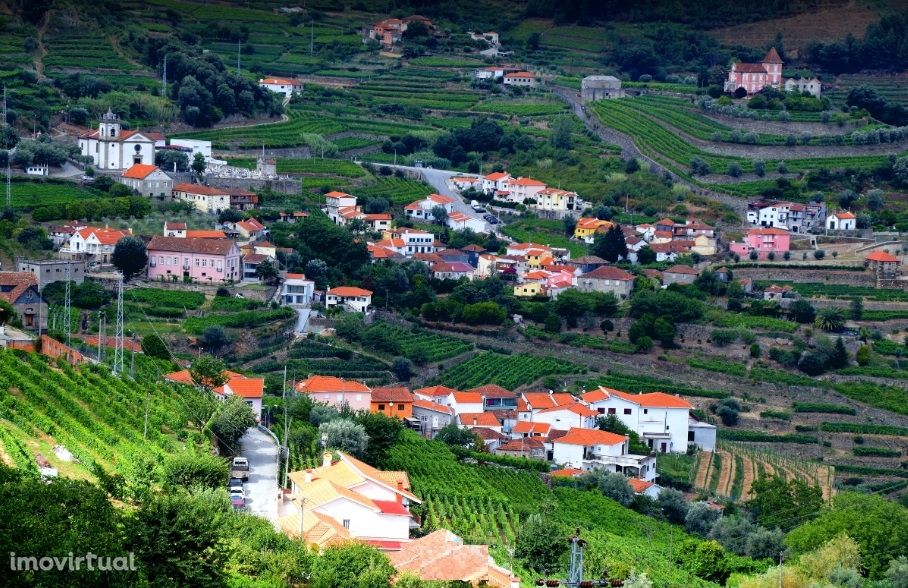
233	418
879	527
830	320
664	331
783	504
266	271
402	368
610	246
673	505
154	346
705	559
561	132
188	469
681	308
897	573
856	309
208	372
570	225
181	538
7	312
351	565
346	436
213	339
439	215
610	484
455	436
646	255
198	164
383	432
802	311
541	543
700	519
839	357
129	256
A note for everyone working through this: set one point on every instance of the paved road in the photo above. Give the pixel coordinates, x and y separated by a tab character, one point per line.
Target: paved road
303	319
438	179
261	489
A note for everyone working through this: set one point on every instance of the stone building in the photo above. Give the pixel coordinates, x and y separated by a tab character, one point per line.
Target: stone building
600	88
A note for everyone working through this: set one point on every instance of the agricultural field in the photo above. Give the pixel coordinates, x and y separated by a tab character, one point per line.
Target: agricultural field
310	356
640	383
98	417
732	469
523	108
508	371
821	290
891	87
545	232
419	345
31	194
398	191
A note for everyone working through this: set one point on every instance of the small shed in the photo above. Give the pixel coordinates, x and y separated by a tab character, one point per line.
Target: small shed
600	88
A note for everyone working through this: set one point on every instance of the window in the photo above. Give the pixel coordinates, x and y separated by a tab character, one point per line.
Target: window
611	411
400	407
381	407
627	411
645	411
346	523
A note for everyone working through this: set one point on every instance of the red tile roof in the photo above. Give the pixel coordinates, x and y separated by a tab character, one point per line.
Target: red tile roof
435	391
199	189
281	82
750	68
589	437
495	176
205	234
567	473
391	507
433	406
844	215
521	445
20	282
139	171
882	256
639	486
246	387
575	408
681	269
769	231
526	427
391	394
104	235
526	181
493	391
478	419
171	226
488	434
467	397
188	245
772	56
316	384
348	291
608	272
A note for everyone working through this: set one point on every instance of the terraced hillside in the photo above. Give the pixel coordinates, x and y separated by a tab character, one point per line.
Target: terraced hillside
99	418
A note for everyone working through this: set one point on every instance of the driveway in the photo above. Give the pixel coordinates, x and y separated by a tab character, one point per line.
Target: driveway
261	489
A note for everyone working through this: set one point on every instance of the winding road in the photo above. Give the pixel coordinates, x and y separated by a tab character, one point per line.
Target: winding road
261	489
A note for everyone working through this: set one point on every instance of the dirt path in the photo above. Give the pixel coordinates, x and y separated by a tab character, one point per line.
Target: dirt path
750	474
701	480
727	475
38	60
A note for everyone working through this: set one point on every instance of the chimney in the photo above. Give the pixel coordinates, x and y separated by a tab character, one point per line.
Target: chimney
308	477
474	421
400	489
327	459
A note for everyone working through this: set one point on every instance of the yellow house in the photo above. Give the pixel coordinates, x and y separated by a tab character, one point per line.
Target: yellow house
704	245
586	227
555	199
528	290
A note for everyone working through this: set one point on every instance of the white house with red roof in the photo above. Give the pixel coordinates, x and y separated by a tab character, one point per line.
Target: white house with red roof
459	221
842	220
296	290
607	279
251	390
591	449
148	180
94	243
520	78
567	416
413	241
336	392
465	402
338	206
113	149
250	228
204	198
496	182
523	189
349	297
660	419
432	416
422	209
443	270
482	420
285	86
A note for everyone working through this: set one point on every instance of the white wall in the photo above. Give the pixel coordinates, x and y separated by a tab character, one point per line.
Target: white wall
568	455
562	420
364	522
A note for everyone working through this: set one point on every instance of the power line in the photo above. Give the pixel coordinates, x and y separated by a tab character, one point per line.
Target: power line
118	331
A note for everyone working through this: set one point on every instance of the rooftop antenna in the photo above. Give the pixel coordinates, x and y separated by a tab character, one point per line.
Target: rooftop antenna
67	308
118	332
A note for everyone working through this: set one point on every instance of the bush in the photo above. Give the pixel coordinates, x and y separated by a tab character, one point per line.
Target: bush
189	469
700	519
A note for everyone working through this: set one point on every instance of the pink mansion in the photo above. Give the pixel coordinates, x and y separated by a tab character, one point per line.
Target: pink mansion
753	77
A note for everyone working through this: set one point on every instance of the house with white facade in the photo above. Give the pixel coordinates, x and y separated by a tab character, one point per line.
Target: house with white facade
113	149
148	180
349	297
567	416
496	182
841	221
591	449
432	416
204	198
414	241
93	243
422	209
555	200
296	290
285	86
660	419
523	79
790	216
459	221
465	402
523	189
338	205
346	499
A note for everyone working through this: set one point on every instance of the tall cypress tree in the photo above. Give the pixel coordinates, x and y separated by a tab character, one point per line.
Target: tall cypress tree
611	246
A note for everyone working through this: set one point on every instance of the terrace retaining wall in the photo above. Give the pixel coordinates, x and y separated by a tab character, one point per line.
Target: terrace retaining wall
822	276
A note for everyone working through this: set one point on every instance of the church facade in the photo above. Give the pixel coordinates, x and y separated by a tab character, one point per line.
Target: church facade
114	149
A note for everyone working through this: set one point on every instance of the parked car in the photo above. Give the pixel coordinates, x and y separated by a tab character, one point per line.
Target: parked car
240	468
237	492
234	484
238	502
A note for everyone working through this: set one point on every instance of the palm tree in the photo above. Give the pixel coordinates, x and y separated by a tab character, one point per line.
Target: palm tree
830	320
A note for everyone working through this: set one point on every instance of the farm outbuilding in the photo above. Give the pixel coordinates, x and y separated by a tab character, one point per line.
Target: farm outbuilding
600	88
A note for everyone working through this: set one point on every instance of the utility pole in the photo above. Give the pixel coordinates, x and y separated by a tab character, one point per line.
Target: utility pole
101	338
311	37
286	430
238	56
118	332
9	190
164	79
67	308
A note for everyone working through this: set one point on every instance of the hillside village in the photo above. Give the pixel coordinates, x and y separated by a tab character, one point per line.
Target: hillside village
491	295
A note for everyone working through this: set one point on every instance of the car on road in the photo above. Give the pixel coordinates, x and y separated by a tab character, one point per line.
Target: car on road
240	468
234	484
238	502
491	219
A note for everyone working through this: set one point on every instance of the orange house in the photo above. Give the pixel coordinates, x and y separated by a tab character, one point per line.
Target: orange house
392	401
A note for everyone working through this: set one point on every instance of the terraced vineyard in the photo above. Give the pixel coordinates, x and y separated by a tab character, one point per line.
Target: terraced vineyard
423	345
893	88
398	191
732	469
28	195
307	357
641	383
821	290
508	371
98	417
413	90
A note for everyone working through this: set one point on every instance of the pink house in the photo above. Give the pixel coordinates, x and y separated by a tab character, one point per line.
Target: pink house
764	242
200	260
753	77
336	392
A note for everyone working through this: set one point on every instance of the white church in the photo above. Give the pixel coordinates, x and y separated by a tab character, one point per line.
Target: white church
114	149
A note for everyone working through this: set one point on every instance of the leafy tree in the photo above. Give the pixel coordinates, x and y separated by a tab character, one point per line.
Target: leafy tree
345	435
207	371
129	256
322	413
7	312
763	543
839	357
664	330
561	132
830	320
897	573
541	543
317	271
180	537
167	158
856	309
154	346
646	255
455	436
612	485
383	432
610	246
188	469
681	308
402	368
705	559
863	355
673	505
728	415
802	311
570	225
213	339
351	564
732	532
632	166
783	504
231	422
900	170
439	214
266	272
700	518
552	323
